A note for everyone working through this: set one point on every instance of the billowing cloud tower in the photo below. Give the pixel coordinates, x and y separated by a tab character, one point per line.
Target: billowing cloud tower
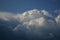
32	24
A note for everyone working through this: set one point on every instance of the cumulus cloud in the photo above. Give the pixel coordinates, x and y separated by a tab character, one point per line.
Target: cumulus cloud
58	19
38	23
33	17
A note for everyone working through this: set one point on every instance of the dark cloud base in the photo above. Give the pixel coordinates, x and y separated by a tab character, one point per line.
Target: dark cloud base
7	34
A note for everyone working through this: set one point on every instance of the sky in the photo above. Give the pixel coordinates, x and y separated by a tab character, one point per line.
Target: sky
29	19
18	6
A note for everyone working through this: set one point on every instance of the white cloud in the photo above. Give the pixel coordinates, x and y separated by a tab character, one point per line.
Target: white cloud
37	22
30	18
33	17
46	13
6	15
58	19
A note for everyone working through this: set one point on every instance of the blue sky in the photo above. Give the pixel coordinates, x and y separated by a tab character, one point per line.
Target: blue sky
18	6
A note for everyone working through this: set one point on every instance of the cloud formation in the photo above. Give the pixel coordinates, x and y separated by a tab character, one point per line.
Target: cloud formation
6	15
58	19
38	23
33	17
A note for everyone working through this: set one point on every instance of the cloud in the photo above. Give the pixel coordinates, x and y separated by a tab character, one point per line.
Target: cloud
33	16
6	15
58	17
38	23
